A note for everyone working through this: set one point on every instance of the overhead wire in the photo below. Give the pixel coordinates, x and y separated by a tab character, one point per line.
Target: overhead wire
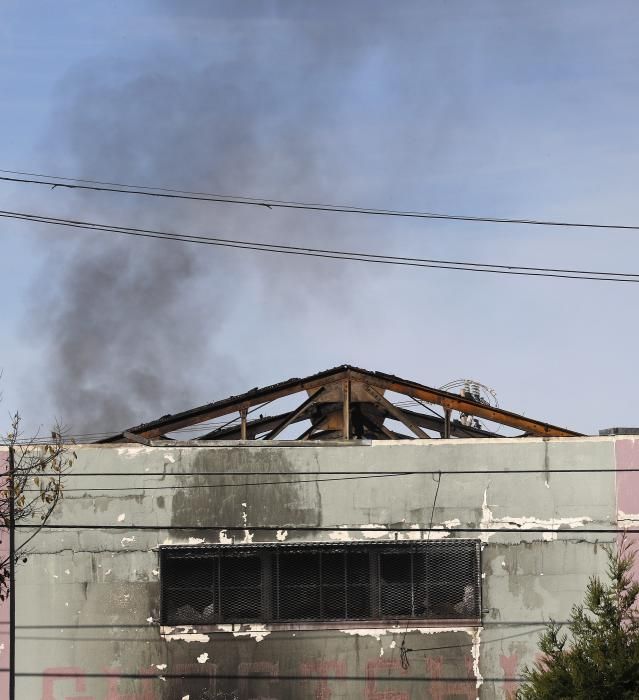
574	531
323	253
403	650
162	675
55	181
348	472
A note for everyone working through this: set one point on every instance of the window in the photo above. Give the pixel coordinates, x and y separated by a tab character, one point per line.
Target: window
208	584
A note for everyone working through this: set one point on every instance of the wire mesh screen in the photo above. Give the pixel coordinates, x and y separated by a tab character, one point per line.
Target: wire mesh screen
320	582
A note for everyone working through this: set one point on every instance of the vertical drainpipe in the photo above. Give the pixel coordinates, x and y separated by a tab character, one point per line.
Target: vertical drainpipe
12	578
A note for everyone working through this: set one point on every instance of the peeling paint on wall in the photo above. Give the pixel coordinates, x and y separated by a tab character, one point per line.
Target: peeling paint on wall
489	522
187	634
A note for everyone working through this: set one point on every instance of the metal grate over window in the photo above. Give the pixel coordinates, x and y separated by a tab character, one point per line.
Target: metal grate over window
325	582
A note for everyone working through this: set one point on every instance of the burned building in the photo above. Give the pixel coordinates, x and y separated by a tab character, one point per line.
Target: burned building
375	538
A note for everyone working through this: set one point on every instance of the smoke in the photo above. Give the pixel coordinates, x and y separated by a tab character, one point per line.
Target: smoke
136	328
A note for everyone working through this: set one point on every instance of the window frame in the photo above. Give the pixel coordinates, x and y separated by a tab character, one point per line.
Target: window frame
269	553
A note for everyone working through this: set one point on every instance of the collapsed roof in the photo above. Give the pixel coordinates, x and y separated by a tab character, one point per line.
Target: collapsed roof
344	403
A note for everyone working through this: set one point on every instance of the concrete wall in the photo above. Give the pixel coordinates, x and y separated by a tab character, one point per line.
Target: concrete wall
88	598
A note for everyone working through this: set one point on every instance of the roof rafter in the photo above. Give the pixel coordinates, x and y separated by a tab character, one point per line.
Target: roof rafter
360	383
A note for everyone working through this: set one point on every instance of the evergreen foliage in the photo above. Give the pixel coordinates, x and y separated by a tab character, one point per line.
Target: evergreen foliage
601	660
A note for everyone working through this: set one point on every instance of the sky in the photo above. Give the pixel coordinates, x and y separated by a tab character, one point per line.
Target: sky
502	109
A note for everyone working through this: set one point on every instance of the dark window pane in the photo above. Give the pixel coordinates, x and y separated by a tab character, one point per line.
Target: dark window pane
240	588
358	592
396	589
333	575
448	581
190	573
189	590
299	586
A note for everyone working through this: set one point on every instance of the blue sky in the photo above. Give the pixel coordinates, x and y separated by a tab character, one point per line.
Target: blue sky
509	109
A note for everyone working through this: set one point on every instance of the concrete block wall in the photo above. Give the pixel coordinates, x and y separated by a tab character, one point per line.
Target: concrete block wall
88	598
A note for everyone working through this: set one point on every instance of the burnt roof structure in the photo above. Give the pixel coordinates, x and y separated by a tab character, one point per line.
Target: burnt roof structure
343	403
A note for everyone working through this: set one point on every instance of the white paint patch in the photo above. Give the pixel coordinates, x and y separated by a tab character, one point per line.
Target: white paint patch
475	634
417	535
186	697
437	533
67	572
374	532
281	535
377	632
196	540
186	634
257	632
107	572
340	536
224	539
628	519
381	652
455	522
149	620
203	658
393	644
169	458
133	452
121	517
547	484
160	667
248	536
155	572
525	523
125	540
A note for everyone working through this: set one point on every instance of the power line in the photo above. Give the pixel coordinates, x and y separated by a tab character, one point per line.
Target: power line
147	625
55	181
365	472
160	675
219	486
331	528
374	258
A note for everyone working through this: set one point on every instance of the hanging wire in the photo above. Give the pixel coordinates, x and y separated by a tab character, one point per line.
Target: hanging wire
403	651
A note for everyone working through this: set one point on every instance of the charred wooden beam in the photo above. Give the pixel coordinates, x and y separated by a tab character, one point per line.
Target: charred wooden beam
397	413
255	397
291	417
436	423
461	404
312	428
346	409
136	438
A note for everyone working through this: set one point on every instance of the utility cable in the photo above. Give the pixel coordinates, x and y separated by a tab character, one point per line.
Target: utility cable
403	651
55	181
333	528
350	472
373	258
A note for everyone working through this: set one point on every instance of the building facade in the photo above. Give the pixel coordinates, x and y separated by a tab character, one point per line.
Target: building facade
374	569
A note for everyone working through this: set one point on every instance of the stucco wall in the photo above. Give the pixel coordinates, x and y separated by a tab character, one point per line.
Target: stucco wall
88	598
